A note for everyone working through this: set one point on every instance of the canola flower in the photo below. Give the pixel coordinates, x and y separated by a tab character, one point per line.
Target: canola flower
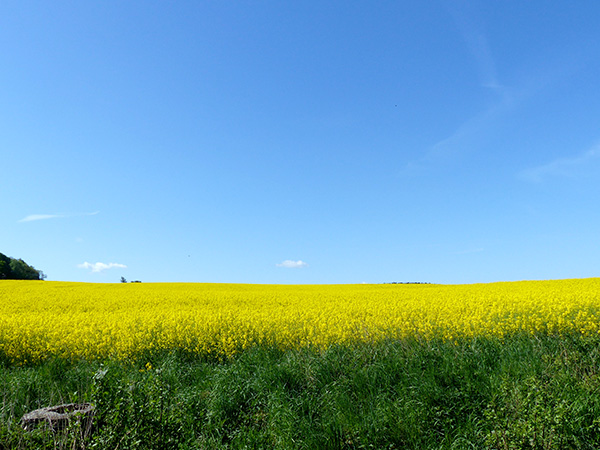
39	320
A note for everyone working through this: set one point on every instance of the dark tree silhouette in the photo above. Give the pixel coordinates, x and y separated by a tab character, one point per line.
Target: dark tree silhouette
17	269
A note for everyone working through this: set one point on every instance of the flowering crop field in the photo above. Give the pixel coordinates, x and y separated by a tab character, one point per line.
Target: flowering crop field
40	320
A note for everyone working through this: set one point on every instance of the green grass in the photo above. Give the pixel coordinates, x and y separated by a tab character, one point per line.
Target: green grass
540	392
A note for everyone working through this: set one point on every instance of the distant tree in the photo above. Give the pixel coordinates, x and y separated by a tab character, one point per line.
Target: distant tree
5	271
17	269
23	271
123	280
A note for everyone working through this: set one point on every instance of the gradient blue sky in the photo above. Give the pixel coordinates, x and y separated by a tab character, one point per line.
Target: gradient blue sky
301	142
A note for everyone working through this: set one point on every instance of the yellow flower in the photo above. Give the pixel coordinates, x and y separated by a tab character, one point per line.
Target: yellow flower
123	321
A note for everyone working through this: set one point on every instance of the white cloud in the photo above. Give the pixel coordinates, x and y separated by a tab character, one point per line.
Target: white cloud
99	267
289	264
562	167
34	217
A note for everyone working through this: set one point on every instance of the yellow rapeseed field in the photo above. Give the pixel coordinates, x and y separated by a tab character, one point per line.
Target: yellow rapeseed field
84	320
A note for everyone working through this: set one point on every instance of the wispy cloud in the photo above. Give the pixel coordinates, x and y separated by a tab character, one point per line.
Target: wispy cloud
289	264
100	267
563	167
473	132
469	134
34	217
467	137
476	40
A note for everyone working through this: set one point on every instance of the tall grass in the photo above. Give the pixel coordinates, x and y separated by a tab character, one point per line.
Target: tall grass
519	392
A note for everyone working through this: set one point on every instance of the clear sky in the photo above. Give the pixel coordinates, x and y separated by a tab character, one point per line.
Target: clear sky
301	142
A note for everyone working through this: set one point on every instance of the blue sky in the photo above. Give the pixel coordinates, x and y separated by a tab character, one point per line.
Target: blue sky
301	142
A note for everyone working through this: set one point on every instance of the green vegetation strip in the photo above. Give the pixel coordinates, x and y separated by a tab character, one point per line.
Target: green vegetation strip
524	392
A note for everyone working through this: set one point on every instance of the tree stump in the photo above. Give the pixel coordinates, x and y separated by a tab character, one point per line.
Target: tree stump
58	417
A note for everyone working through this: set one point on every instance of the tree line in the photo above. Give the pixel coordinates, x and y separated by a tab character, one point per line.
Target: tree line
17	269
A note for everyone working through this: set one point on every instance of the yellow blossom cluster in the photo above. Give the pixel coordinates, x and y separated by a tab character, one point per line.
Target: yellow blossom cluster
92	320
